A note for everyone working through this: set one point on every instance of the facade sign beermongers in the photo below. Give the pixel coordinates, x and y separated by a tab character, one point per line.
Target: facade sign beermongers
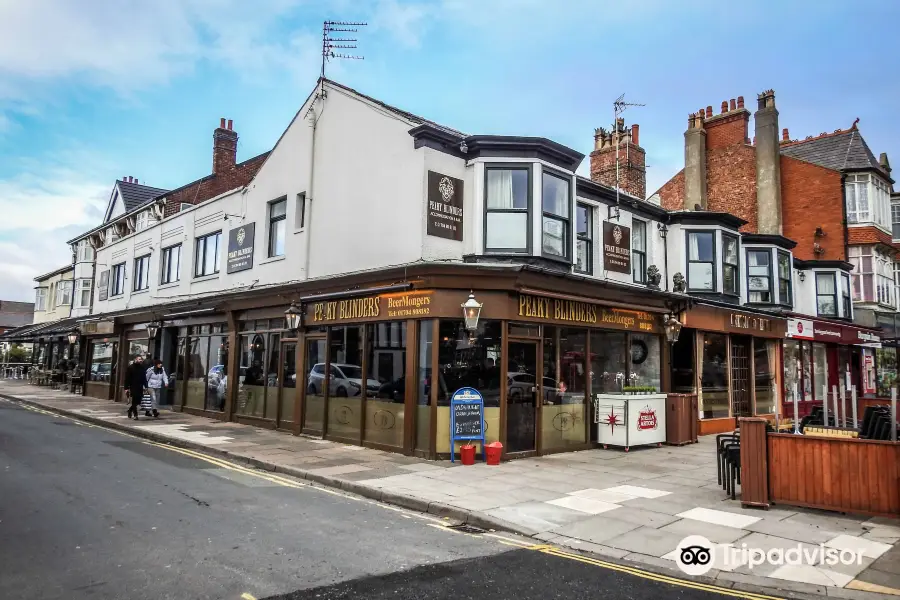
574	311
445	206
103	292
240	248
616	247
385	306
743	323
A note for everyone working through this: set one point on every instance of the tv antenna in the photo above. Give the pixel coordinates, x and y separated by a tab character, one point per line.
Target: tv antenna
619	106
330	43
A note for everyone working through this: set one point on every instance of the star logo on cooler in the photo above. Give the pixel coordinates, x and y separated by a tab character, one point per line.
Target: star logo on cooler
612	419
647	419
445	187
241	236
617	235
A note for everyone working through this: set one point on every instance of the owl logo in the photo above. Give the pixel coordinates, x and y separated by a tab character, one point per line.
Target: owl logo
241	236
617	235
445	187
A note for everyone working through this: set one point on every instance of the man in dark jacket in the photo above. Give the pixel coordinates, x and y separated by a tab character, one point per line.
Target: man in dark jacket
135	382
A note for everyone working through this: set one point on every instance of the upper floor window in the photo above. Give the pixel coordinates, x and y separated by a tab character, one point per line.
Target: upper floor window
584	244
759	276
873	275
555	201
40	299
117	279
506	209
895	221
141	221
206	255
639	251
884	279
83	294
846	304
170	267
300	213
277	222
141	273
701	261
51	297
785	291
826	295
730	265
868	200
112	234
64	292
84	252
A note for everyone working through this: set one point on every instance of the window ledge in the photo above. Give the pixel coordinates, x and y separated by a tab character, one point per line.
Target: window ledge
114	296
272	259
301	230
138	292
205	278
171	284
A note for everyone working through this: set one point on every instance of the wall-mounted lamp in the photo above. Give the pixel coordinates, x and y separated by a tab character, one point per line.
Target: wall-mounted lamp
673	328
663	230
802	275
153	328
612	212
73	336
471	312
292	317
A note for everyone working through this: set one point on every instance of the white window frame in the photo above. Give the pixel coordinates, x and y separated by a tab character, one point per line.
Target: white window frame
84	251
857	185
639	275
170	271
141	221
84	285
64	292
40	298
895	220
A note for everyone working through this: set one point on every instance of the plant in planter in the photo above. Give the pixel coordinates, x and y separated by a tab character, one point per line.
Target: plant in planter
632	390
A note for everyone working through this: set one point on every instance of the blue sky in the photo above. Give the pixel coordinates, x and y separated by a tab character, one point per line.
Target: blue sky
95	89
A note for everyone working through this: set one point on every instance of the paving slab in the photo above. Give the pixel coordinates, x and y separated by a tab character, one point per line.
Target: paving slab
535	517
597	530
714	533
646	540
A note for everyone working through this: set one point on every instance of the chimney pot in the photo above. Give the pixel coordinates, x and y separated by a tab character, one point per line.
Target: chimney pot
130	179
635	132
733	104
724	106
135	180
230	124
709	112
222	123
785	136
740	103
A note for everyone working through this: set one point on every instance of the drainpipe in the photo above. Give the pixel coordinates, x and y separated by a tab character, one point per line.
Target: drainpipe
312	176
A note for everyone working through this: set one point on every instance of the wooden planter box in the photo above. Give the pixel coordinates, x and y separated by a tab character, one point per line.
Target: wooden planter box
845	475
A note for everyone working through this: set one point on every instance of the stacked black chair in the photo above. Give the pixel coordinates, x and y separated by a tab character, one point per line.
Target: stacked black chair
728	463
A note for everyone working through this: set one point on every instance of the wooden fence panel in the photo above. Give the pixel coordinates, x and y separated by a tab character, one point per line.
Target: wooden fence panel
858	476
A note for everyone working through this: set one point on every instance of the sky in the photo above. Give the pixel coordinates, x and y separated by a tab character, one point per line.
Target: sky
94	90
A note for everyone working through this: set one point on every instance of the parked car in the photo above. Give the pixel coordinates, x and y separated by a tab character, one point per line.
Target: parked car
520	387
346	380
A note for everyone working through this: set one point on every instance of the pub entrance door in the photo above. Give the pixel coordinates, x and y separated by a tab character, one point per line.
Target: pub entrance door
287	385
741	392
521	396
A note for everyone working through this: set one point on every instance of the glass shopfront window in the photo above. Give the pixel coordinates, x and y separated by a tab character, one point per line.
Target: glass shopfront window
425	381
886	361
469	362
103	362
820	371
806	365
345	389
138	348
180	373
272	364
386	357
252	389
765	366
217	377
646	356
792	370
198	362
564	403
608	366
713	399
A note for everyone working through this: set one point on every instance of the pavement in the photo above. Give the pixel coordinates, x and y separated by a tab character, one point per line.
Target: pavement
627	508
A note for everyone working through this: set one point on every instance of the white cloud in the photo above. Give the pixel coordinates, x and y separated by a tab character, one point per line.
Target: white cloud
44	201
405	23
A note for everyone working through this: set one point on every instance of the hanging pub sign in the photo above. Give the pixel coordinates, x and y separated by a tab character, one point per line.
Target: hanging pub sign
240	248
103	292
616	247
445	206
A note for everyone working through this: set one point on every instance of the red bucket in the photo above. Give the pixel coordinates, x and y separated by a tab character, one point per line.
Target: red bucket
494	452
467	454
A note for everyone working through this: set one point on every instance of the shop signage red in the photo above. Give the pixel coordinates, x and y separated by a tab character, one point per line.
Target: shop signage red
828	333
647	419
800	328
807	329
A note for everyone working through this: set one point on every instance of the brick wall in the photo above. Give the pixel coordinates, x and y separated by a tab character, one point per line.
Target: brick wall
671	194
731	182
632	169
727	129
213	185
811	197
868	235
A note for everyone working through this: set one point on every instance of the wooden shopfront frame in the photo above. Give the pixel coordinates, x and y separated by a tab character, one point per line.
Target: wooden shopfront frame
759	328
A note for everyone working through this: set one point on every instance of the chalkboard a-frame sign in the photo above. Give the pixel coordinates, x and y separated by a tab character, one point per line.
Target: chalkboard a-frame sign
466	418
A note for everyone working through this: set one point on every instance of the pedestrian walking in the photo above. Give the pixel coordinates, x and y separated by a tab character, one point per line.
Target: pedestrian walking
156	381
135	381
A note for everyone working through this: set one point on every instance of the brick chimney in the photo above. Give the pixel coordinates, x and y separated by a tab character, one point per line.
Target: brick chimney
632	159
695	162
224	147
768	165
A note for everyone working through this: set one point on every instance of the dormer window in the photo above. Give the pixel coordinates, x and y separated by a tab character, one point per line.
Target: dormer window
555	203
868	199
759	276
701	261
506	209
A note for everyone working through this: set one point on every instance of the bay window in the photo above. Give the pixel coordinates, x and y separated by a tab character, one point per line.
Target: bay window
759	276
40	298
846	304
84	251
826	295
584	244
895	221
83	294
869	200
857	189
785	292
639	251
701	261
884	275
873	275
64	292
506	209
555	201
730	265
